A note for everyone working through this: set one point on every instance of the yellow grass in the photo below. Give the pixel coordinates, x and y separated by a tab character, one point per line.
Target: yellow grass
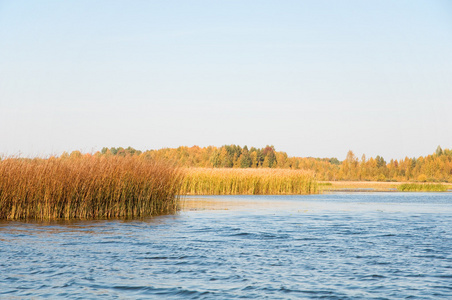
211	181
86	187
422	187
357	185
377	186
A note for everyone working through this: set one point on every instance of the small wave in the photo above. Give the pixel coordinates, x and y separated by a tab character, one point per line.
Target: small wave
241	234
164	292
431	256
167	257
308	239
373	277
446	276
261	235
415	275
6	292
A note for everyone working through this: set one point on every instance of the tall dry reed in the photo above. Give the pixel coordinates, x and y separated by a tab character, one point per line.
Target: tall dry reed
208	181
87	187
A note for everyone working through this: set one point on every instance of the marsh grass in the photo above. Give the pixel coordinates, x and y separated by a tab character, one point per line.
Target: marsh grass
211	181
87	187
422	187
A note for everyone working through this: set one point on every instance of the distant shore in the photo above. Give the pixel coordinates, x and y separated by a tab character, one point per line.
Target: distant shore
368	186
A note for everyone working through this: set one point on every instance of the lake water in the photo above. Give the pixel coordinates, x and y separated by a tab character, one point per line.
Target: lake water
332	246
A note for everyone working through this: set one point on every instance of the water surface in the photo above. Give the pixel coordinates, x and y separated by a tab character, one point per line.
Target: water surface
333	246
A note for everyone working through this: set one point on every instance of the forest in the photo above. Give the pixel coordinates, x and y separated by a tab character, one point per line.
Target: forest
125	182
436	167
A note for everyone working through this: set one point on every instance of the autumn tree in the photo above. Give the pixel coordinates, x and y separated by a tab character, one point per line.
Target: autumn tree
245	159
439	151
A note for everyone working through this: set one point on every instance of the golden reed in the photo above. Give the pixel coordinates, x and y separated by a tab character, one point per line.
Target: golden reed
209	181
87	187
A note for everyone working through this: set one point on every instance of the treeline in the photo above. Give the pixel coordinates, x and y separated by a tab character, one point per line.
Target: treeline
436	167
230	156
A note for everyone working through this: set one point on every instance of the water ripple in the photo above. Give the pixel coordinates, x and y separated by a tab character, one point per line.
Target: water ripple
367	246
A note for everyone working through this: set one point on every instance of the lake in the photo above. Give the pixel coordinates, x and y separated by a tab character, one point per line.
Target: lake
330	246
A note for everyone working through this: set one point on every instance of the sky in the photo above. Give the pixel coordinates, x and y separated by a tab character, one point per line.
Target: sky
313	78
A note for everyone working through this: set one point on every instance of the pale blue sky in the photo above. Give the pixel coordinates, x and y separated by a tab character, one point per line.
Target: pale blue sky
314	78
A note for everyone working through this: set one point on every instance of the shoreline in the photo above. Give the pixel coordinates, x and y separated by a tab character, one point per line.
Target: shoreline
368	186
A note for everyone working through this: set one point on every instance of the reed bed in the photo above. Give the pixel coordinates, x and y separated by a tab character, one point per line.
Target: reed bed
422	187
208	181
87	187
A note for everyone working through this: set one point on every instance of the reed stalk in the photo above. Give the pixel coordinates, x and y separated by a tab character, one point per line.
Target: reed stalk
211	181
87	187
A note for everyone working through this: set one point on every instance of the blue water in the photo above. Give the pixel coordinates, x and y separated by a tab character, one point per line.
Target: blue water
334	246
